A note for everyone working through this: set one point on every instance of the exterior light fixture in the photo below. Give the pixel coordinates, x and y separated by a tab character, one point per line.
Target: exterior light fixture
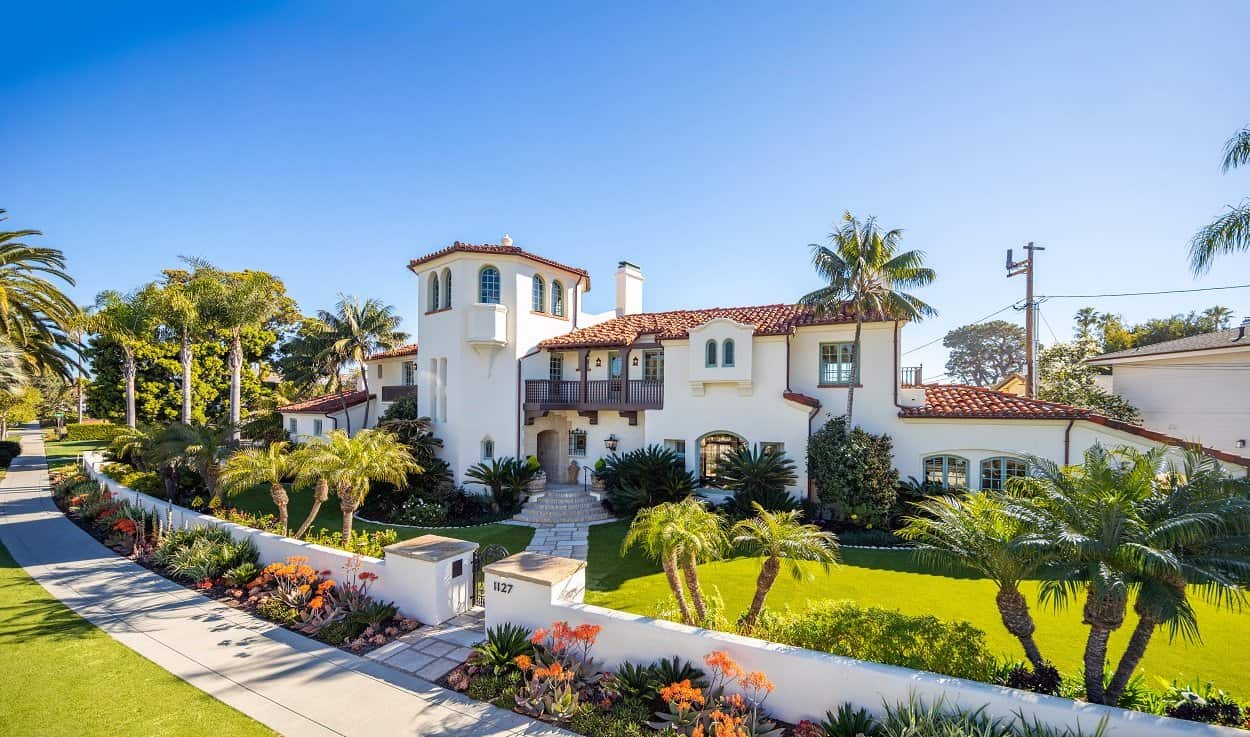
1241	443
598	363
611	442
635	361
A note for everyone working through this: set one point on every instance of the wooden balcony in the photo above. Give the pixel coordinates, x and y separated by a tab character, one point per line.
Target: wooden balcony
392	393
630	396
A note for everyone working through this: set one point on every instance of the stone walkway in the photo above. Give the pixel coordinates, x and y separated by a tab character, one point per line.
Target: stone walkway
432	652
288	682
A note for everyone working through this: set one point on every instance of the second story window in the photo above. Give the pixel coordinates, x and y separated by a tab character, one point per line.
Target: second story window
557	299
410	373
709	354
837	364
653	366
488	286
435	302
540	294
727	352
379	370
555	367
488	449
446	289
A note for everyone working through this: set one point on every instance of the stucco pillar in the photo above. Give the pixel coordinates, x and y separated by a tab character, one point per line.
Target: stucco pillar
436	577
524	588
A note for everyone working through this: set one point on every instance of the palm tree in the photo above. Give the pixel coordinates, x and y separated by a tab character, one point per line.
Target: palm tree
251	466
351	463
700	537
976	531
181	304
200	447
34	312
13	377
866	273
1219	316
313	467
655	531
135	446
778	536
1231	231
127	320
360	329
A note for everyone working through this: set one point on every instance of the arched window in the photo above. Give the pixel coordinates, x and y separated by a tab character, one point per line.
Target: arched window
713	449
996	471
949	472
727	352
540	294
557	298
488	449
709	354
488	285
446	289
434	301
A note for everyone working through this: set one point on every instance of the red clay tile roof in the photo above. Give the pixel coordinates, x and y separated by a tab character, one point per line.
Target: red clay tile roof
488	248
958	400
403	350
675	325
327	403
812	402
1159	437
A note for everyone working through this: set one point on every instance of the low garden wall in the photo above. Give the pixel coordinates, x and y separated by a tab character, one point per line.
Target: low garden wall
423	581
535	590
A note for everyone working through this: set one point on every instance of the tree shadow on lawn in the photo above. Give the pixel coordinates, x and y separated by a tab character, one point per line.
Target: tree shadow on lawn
27	611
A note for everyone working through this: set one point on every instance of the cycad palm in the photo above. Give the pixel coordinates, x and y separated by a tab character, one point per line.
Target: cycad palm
35	314
352	464
778	536
251	466
200	447
867	273
978	532
359	329
1229	232
656	531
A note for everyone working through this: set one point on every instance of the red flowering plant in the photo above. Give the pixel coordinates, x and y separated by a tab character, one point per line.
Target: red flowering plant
712	712
560	673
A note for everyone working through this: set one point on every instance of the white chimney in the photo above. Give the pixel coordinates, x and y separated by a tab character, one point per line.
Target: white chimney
506	240
628	289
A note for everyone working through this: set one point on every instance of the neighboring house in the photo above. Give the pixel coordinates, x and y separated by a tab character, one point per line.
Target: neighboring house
1012	384
392	375
1197	388
512	365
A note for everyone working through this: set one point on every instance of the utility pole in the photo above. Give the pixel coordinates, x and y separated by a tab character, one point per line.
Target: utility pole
1015	268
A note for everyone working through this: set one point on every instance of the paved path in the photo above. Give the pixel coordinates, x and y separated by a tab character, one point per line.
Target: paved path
287	681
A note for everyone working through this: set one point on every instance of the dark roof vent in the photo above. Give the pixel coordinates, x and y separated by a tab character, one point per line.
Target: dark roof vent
1241	330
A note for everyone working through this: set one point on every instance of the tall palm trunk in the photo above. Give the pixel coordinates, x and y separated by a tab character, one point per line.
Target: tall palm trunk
763	584
320	494
211	474
850	389
674	583
1133	654
348	504
690	569
128	372
185	356
277	492
236	384
364	379
1014	610
347	416
1103	616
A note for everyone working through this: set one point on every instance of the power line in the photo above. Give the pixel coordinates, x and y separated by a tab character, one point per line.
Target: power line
1141	294
1047	324
939	340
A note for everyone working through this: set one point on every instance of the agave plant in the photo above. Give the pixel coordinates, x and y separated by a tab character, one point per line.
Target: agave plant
503	645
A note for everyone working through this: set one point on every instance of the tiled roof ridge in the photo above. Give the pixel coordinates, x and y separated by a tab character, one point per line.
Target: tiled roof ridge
349	397
509	250
403	350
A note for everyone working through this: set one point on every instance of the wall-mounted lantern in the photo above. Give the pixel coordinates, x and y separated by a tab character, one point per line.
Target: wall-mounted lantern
611	442
635	361
598	363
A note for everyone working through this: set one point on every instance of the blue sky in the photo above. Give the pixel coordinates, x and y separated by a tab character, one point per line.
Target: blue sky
330	143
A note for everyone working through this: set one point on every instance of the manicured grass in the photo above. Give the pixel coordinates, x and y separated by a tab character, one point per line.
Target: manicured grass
64	453
62	676
257	501
895	580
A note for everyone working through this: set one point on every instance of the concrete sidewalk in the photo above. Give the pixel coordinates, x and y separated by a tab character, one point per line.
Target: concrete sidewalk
289	682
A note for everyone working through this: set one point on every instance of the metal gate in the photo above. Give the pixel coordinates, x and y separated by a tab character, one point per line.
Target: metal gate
483	557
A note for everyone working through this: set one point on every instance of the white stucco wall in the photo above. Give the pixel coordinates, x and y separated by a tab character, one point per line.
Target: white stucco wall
329	421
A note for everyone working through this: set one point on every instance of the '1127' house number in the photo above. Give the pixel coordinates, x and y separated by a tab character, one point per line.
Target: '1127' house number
503	588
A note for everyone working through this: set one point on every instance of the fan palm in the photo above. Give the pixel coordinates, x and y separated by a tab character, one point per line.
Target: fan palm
127	320
867	273
778	536
360	329
351	464
1229	232
34	312
655	530
251	466
200	447
976	531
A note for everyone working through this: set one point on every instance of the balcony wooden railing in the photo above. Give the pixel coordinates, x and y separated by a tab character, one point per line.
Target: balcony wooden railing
599	394
392	393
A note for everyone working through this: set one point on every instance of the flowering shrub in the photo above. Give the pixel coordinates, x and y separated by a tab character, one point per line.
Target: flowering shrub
559	672
710	712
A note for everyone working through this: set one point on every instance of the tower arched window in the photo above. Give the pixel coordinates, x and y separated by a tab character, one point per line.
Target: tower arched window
709	354
488	285
540	294
434	300
557	298
727	352
446	289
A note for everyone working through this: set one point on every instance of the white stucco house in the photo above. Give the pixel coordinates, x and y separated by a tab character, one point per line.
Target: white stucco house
1197	388
511	364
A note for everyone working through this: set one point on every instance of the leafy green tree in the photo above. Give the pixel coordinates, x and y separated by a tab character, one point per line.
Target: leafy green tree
35	315
1230	232
985	353
866	273
758	476
181	303
358	330
352	464
307	362
270	465
1066	378
17	406
128	321
777	537
977	532
854	473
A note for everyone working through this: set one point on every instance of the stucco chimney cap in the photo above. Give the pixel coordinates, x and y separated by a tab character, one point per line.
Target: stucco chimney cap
506	240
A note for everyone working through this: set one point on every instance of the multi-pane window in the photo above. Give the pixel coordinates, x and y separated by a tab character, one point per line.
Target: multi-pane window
577	443
379	370
488	449
653	365
713	449
614	364
540	294
949	472
709	354
292	426
996	471
557	299
773	448
678	447
318	427
555	367
446	289
837	363
434	299
410	373
727	352
488	286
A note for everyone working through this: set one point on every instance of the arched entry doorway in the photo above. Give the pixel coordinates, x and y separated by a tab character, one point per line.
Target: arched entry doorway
713	448
550	455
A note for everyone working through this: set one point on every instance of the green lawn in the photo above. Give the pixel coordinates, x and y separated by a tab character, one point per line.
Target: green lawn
512	537
894	580
63	453
62	676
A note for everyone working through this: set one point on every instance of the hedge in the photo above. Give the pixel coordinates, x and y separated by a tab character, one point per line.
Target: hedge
8	451
76	431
